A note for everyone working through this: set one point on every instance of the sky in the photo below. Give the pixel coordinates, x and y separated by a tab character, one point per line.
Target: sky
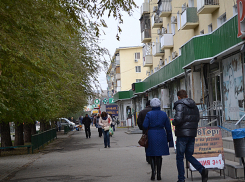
130	35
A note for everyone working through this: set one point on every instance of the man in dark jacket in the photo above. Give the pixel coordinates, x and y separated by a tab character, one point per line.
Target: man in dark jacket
141	119
186	123
87	121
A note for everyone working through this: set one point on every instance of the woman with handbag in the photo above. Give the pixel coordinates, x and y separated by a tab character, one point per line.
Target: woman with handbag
159	134
105	122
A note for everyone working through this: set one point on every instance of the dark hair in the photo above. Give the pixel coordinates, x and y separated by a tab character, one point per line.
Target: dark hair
148	103
103	114
182	94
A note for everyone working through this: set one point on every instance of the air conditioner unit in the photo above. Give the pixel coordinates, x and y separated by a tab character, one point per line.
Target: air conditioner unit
173	20
155	9
136	60
159	32
174	54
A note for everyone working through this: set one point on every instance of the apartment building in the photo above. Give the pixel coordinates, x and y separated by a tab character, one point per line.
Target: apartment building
196	45
126	68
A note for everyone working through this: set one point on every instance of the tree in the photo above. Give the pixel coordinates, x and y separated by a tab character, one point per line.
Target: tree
50	56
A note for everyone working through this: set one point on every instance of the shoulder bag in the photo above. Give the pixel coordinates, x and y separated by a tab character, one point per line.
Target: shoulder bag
143	140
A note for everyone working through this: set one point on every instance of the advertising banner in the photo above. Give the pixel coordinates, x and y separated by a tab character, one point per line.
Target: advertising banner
112	109
208	148
173	132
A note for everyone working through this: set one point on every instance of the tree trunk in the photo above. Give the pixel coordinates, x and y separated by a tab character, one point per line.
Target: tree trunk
27	132
33	129
5	135
42	125
19	139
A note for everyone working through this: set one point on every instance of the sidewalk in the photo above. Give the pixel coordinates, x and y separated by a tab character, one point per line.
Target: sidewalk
12	164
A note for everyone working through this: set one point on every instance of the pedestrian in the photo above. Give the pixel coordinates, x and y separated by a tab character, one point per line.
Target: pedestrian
87	122
99	126
159	134
94	120
186	123
141	119
105	122
112	122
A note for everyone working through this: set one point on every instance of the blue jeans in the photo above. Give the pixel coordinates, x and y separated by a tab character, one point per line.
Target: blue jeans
106	138
185	145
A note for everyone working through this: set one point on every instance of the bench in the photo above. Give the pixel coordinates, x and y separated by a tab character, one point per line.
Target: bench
13	147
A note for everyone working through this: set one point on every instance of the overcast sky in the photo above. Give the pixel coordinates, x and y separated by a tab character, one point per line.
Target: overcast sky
130	35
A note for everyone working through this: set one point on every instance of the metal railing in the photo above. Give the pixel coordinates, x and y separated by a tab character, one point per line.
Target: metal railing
42	138
211	115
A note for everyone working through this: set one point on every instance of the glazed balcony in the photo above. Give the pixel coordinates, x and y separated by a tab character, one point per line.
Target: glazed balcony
207	6
156	49
147	56
144	8
165	8
167	41
189	18
146	36
156	21
117	60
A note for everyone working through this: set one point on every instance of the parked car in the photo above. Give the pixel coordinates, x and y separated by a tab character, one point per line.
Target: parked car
65	121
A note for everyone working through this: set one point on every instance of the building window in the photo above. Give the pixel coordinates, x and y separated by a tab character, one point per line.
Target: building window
179	51
166	61
235	9
138	69
210	28
169	59
118	83
221	19
138	80
137	55
178	21
168	28
202	32
173	28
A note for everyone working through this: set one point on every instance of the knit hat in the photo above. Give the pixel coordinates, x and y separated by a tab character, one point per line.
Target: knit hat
155	102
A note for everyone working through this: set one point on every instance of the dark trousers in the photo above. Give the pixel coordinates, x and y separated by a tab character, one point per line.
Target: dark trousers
100	132
185	146
87	131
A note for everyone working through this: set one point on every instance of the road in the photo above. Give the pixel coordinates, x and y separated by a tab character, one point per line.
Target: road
74	158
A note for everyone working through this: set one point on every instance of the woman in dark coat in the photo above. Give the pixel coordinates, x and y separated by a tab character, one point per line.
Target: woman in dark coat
159	134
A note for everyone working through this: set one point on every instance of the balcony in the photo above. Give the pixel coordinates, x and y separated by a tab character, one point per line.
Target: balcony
118	76
145	8
207	6
156	49
117	60
147	56
189	18
156	21
165	8
146	36
167	41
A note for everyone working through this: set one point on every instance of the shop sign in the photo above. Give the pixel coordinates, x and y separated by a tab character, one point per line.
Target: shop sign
112	109
208	148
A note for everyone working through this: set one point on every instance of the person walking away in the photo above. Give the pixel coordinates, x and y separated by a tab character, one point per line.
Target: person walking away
112	122
87	122
99	126
141	119
159	134
105	121
94	120
186	123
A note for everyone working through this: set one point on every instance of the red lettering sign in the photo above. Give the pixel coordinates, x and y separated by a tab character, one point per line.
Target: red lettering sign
241	16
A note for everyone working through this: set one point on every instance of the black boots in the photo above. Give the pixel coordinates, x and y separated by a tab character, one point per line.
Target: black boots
156	163
153	168
159	166
204	175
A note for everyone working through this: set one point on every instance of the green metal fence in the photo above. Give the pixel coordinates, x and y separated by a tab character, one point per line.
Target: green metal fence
66	129
42	138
